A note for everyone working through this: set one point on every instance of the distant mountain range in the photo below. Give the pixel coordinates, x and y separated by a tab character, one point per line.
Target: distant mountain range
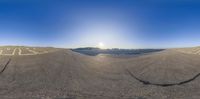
115	51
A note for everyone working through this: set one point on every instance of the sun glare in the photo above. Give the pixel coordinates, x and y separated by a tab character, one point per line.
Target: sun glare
101	45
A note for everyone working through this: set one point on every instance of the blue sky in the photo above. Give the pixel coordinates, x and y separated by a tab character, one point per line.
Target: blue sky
116	23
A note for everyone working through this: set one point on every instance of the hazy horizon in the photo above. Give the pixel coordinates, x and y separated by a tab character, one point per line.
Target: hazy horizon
126	24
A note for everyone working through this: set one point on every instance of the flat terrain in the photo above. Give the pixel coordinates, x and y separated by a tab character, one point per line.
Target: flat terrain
50	73
20	51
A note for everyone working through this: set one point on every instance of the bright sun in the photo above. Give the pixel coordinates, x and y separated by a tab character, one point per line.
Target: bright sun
101	45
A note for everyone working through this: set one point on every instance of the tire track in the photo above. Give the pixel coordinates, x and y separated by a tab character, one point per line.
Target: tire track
162	85
5	66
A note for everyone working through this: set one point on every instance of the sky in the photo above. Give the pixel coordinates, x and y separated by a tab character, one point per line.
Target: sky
106	23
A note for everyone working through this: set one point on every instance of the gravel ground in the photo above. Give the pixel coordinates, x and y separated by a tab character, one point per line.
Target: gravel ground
64	74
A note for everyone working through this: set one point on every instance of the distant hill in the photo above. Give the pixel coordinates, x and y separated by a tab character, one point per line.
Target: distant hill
115	51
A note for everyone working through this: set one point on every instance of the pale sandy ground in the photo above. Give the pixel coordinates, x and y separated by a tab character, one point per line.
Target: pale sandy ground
63	74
